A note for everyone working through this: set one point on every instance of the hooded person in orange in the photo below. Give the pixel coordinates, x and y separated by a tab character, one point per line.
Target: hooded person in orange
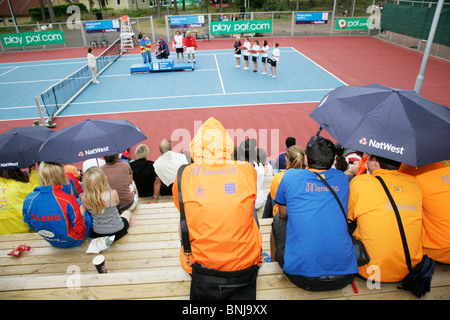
219	197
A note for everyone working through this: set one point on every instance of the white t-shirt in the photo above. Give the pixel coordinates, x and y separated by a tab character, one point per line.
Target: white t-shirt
266	51
96	162
248	45
255	48
167	165
276	54
178	41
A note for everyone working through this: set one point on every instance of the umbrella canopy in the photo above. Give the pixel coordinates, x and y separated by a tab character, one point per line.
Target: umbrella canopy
392	123
90	139
19	146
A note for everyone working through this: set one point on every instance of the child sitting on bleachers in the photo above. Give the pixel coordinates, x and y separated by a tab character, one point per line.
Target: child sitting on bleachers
101	201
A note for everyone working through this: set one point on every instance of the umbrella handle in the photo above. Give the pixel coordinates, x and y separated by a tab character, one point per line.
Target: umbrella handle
314	139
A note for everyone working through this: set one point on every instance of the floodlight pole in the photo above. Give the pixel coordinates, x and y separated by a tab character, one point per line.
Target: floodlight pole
426	54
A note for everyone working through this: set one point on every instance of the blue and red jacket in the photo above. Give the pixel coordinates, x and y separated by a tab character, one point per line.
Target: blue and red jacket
55	214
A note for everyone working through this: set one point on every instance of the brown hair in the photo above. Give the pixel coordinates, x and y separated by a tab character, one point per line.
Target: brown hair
296	156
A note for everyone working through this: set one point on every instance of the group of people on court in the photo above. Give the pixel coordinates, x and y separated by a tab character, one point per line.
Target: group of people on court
248	50
181	45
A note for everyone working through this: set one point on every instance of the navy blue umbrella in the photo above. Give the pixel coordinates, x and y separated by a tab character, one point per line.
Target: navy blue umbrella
19	146
90	139
392	123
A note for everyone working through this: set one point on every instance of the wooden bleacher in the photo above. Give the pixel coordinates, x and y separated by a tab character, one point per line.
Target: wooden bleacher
145	265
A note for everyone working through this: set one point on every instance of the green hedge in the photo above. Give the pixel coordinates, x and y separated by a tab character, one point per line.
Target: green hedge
60	11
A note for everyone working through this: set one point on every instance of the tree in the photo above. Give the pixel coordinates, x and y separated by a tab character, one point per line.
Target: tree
44	16
175	6
51	11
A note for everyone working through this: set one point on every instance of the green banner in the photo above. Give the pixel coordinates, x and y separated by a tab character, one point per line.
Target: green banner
32	38
352	23
241	26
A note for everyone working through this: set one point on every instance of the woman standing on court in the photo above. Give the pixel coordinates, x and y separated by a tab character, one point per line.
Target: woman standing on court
255	55
265	55
247	46
237	51
275	59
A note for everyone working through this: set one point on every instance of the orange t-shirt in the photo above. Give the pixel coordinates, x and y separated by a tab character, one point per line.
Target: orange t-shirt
274	187
377	225
434	180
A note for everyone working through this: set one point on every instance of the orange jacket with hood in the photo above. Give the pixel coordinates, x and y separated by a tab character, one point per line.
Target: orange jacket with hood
219	198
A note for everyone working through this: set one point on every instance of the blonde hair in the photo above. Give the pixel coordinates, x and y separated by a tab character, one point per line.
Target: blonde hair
95	184
51	174
296	156
141	151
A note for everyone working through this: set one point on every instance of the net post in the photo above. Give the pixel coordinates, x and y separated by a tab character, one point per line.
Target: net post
49	123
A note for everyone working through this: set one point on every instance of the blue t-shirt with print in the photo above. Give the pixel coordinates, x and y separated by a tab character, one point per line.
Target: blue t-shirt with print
317	239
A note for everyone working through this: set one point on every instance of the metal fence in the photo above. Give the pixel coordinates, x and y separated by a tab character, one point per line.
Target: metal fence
283	25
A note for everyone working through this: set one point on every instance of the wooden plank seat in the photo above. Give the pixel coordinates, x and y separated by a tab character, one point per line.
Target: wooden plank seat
145	265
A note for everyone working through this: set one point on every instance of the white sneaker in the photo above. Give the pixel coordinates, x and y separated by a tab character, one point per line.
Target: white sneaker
263	72
245	68
274	76
237	66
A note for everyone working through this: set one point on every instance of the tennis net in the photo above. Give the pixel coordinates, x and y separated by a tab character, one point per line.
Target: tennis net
57	97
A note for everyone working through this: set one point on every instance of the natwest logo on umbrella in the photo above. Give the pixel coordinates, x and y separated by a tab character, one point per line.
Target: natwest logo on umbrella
382	145
93	151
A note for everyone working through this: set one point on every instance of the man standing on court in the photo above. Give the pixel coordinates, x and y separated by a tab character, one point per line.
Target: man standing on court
92	63
190	45
146	49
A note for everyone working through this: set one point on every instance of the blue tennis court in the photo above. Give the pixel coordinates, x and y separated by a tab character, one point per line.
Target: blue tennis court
214	83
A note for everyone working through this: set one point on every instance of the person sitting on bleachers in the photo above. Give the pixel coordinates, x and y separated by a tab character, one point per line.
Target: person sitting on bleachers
144	174
318	251
101	202
53	212
166	167
280	162
247	151
120	178
376	223
295	159
219	199
434	180
15	186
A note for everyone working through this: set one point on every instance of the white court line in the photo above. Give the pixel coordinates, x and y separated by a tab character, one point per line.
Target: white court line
220	76
186	108
29	81
201	95
320	66
9	71
13	108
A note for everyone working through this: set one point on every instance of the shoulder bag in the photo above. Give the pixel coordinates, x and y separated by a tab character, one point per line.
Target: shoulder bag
418	280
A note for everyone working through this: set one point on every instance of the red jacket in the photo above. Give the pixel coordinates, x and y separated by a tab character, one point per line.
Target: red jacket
189	41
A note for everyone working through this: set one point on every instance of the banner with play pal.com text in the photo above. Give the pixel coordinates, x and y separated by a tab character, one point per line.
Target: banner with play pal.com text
32	38
241	26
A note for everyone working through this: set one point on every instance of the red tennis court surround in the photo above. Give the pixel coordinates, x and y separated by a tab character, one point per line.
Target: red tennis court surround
356	60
